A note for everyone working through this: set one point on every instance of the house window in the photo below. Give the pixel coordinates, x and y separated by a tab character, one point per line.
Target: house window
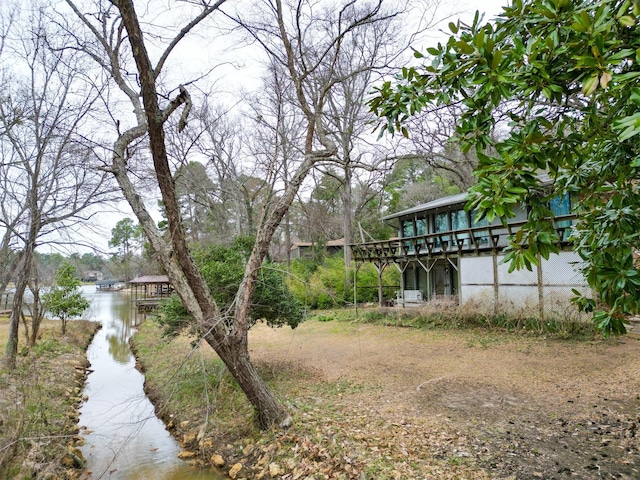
459	220
442	225
421	226
408	229
481	237
561	205
480	223
442	222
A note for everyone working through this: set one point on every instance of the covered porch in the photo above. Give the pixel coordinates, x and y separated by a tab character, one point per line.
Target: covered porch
148	290
430	264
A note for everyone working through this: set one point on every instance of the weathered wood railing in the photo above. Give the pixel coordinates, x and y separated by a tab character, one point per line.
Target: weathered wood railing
465	241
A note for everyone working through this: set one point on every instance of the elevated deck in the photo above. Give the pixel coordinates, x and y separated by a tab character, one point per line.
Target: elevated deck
476	241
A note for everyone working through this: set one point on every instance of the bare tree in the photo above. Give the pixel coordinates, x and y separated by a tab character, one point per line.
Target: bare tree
49	176
226	332
277	135
333	52
8	258
430	134
242	190
366	55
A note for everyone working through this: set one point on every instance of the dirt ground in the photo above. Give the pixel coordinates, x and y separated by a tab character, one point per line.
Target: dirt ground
512	407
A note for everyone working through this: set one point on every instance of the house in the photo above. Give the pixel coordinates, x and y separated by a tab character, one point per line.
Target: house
92	276
307	249
445	255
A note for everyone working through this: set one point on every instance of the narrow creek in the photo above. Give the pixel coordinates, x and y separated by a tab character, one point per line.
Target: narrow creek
124	440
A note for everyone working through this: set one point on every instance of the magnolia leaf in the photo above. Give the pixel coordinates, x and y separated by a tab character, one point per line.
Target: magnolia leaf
590	84
627	21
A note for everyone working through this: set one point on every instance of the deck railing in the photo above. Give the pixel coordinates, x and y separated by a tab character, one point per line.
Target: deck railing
452	243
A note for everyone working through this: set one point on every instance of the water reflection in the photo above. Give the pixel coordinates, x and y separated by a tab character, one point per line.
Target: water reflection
124	438
123	317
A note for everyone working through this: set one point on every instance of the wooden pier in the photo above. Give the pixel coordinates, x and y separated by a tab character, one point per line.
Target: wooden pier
145	305
149	290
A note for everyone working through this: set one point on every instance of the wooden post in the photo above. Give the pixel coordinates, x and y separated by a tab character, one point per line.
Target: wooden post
380	269
459	280
355	288
496	293
402	284
540	289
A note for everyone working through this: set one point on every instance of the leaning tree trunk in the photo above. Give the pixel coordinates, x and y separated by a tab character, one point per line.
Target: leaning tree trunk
228	340
235	355
11	351
21	281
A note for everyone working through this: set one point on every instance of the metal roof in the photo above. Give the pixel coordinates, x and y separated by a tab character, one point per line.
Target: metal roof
330	243
147	279
435	204
108	282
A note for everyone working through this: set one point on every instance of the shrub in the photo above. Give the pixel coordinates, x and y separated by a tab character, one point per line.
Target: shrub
327	285
472	315
65	300
223	270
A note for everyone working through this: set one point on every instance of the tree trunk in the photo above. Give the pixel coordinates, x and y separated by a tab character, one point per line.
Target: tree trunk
21	279
11	351
229	341
287	238
37	311
347	213
235	355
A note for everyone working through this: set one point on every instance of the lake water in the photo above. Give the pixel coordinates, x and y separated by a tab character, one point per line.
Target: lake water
123	437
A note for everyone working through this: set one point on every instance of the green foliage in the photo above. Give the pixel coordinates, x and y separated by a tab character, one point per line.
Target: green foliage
223	269
64	300
91	261
557	79
325	285
48	346
410	171
126	236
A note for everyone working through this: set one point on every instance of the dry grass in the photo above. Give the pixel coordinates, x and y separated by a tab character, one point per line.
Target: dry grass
561	320
45	327
380	402
38	403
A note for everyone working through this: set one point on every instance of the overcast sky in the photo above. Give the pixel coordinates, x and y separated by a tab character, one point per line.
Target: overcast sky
244	75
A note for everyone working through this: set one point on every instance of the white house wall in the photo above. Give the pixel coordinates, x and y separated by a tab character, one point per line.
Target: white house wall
565	272
517	277
476	271
519	288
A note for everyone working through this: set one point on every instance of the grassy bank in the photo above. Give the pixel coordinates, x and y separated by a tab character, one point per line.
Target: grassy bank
337	432
209	415
38	404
